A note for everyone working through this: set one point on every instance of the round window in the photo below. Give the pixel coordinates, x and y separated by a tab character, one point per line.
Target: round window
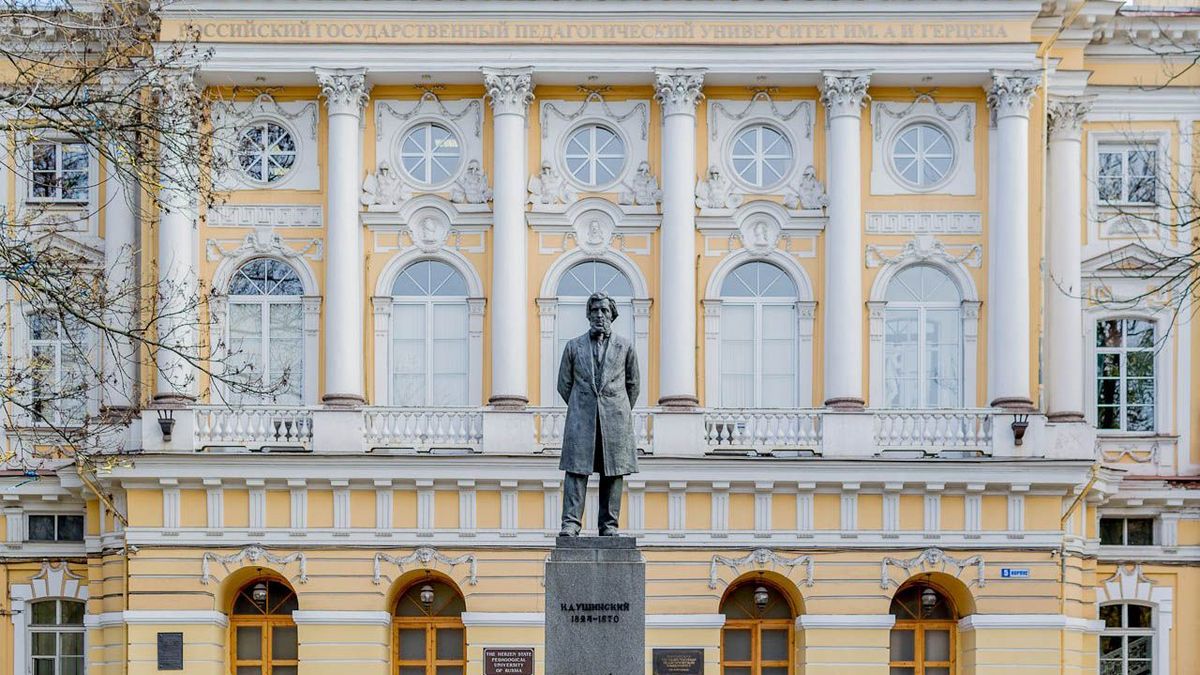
594	155
922	155
266	151
761	155
430	153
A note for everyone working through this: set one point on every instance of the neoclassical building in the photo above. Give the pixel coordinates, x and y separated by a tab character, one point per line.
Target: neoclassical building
896	416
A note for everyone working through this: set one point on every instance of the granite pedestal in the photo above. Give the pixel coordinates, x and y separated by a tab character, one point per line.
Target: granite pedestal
596	607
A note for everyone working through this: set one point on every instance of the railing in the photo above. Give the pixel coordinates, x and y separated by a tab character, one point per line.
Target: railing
424	429
933	429
763	430
254	427
549	423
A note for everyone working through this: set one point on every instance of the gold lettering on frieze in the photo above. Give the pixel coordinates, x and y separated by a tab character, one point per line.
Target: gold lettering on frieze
600	31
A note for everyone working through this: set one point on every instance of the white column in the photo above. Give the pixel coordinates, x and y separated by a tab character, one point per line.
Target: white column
345	92
1009	97
843	94
121	288
1064	309
178	286
678	90
510	91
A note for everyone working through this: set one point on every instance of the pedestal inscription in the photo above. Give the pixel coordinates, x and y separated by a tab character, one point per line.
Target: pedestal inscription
596	607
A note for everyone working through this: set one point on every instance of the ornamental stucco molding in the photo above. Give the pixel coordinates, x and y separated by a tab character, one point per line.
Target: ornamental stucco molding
844	92
510	90
345	90
1067	116
923	248
253	554
1011	92
678	90
264	241
759	558
931	560
426	556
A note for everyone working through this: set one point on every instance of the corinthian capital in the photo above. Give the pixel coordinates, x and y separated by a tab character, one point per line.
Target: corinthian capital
678	89
345	89
1066	115
1011	92
843	92
509	89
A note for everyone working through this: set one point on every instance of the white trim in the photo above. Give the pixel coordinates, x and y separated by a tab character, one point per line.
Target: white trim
1099	215
342	618
157	618
52	582
1128	585
851	621
1029	621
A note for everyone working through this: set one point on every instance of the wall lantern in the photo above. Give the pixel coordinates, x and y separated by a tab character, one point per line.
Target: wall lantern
166	422
427	595
259	594
761	597
1019	424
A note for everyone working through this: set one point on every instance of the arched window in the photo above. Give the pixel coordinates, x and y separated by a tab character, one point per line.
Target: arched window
758	338
924	635
264	635
758	637
429	336
576	285
56	632
923	352
428	633
1127	643
266	322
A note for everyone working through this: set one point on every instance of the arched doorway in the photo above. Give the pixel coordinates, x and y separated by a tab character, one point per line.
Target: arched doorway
759	633
925	636
264	635
428	636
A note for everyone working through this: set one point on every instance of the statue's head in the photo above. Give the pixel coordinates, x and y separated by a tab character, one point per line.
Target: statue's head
714	171
546	169
473	166
601	309
644	168
385	167
809	172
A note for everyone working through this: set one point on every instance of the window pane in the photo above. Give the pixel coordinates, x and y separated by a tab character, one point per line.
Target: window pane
937	645
41	528
1108	333
249	642
284	670
903	645
412	644
449	644
70	528
1112	533
1139	647
1111	647
1139	418
740	670
1140	364
1139	616
45	613
283	642
1108	365
1139	531
1139	391
72	665
72	644
1108	418
737	645
900	670
72	613
774	645
1111	615
43	667
449	670
44	644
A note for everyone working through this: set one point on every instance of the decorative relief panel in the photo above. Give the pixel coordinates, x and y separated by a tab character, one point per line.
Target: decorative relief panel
265	144
595	226
264	241
753	142
924	247
924	222
923	147
264	215
428	223
430	145
605	160
761	227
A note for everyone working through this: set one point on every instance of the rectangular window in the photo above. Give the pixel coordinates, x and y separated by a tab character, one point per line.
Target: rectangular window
58	358
59	172
1127	643
1125	375
1127	174
55	528
1127	531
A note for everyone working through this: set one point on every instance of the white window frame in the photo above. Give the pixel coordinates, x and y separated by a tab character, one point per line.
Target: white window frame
1108	221
1163	374
548	309
428	302
424	121
1128	585
264	121
1123	352
758	303
53	582
958	119
1124	518
58	630
58	143
766	187
23	345
621	169
310	307
922	355
1125	148
713	304
56	516
264	303
381	304
894	140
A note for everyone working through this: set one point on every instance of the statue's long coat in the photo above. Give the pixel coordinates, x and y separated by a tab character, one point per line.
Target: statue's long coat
612	404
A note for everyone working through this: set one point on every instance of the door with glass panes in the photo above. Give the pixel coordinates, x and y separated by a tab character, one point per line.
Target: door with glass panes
924	635
759	634
428	636
264	634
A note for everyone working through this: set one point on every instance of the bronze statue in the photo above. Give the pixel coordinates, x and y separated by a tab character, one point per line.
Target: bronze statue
598	378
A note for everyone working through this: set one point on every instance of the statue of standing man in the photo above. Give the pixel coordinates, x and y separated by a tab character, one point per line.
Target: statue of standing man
598	378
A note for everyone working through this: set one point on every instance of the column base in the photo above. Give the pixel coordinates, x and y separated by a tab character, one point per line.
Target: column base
678	402
343	400
165	400
1014	403
845	403
1066	416
508	402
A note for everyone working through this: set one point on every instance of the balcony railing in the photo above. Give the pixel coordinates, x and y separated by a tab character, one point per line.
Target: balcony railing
424	429
254	427
549	423
762	430
933	431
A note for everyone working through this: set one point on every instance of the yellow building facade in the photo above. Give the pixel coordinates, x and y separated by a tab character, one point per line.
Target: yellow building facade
895	416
